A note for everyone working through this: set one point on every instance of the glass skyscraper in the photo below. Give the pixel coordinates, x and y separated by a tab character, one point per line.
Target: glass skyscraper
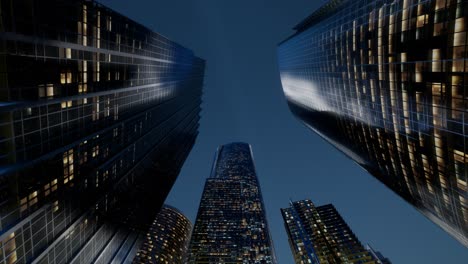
167	239
231	224
97	116
385	81
320	235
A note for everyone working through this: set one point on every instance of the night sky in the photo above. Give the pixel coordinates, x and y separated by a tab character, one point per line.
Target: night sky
243	101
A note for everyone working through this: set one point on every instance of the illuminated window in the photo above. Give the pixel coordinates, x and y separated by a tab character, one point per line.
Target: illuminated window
109	23
459	39
50	90
63	78
96	109
422	20
436	63
68	167
95	152
460	24
69	77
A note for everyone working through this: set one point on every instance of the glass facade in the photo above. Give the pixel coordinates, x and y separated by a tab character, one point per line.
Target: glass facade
167	239
94	109
320	235
231	224
385	81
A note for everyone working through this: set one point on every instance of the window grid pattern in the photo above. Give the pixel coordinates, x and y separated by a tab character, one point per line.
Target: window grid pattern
385	82
231	224
167	239
106	105
320	235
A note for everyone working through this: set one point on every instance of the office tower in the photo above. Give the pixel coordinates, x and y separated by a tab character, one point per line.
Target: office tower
377	255
231	224
320	235
385	82
167	239
97	114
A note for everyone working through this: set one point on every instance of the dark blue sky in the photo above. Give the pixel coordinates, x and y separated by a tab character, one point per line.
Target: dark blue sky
243	101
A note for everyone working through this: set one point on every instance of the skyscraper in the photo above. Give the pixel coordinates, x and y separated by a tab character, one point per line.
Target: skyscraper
385	82
97	116
231	224
320	235
167	239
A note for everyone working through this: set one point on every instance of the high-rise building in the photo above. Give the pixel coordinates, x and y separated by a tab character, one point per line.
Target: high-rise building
385	82
97	116
231	224
320	235
167	239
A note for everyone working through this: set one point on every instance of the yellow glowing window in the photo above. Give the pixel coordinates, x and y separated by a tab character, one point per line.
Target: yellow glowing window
460	24
68	53
404	25
459	39
422	20
63	77
69	77
403	57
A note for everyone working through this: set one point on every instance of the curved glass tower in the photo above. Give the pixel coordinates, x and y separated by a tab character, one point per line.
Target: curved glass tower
231	224
385	82
167	239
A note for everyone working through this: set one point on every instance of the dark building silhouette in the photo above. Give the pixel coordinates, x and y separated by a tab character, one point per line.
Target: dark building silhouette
97	116
320	235
385	82
231	224
167	239
378	256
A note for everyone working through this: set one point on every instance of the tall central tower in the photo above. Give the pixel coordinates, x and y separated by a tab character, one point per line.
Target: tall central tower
231	225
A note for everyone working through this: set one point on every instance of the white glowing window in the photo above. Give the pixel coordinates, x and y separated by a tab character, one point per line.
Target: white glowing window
50	90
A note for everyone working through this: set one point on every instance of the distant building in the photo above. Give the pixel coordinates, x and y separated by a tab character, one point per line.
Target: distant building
320	235
385	82
231	224
97	116
167	239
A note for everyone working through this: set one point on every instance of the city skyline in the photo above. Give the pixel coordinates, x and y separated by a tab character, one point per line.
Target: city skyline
243	101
